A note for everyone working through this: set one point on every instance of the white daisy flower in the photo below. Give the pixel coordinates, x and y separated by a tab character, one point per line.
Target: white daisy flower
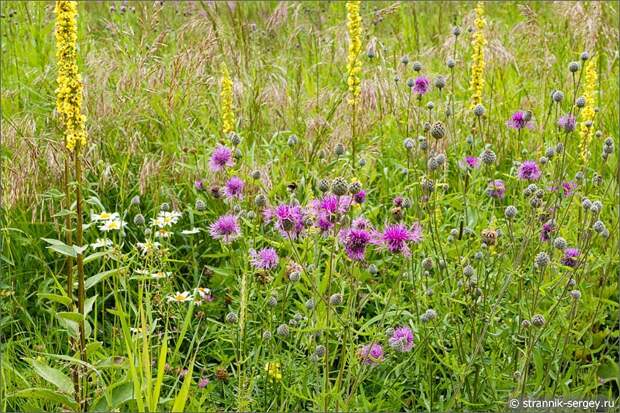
163	233
160	274
142	272
147	246
102	243
180	297
104	216
113	225
190	231
203	292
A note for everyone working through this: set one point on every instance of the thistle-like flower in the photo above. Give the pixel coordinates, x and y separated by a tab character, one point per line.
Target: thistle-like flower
69	91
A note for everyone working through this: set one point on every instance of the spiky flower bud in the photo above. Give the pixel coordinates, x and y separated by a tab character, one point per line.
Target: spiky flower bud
335	299
560	243
542	260
339	186
573	66
558	96
339	149
510	212
438	131
139	219
200	205
282	330
538	320
479	110
417	66
231	318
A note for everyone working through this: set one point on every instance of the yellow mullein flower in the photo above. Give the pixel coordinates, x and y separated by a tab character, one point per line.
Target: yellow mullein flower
354	64
69	92
477	69
273	371
228	116
588	112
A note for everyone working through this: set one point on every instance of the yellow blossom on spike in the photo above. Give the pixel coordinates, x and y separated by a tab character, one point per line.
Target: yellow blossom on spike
354	64
228	116
588	112
69	91
476	84
273	371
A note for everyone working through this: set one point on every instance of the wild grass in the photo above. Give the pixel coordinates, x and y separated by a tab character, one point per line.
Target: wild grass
152	76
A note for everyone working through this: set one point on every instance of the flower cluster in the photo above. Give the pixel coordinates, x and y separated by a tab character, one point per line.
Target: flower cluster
354	64
228	115
69	91
476	84
586	129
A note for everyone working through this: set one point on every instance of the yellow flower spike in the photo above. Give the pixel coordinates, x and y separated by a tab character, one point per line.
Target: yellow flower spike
354	64
228	116
588	112
476	84
273	371
69	91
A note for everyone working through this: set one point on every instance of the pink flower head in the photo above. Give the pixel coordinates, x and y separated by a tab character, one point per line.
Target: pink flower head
402	339
470	162
567	123
421	85
571	257
221	158
496	189
355	242
234	188
520	120
360	197
371	354
225	228
264	259
395	238
529	171
289	219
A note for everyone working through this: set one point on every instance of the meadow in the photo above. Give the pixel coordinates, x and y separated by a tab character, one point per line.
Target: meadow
308	206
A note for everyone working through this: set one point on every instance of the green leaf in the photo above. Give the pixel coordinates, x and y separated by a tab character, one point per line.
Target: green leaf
97	278
54	376
62	299
88	304
181	399
45	394
113	397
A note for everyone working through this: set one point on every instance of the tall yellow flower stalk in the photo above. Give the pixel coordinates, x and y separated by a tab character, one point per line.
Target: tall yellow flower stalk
228	116
354	64
588	112
69	92
477	69
69	106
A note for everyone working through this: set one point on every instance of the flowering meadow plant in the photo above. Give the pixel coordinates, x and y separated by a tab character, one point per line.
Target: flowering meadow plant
308	206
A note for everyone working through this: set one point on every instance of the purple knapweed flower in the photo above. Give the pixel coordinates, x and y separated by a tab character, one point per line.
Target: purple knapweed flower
234	188
203	382
496	189
221	158
470	162
225	228
568	188
571	257
567	123
529	171
198	184
547	229
264	259
402	339
519	120
395	238
371	354
355	242
421	85
360	197
288	219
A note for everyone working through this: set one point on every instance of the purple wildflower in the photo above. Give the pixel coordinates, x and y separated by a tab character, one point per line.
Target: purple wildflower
421	85
264	259
571	257
529	170
355	241
360	223
396	237
496	189
402	339
567	123
225	228
198	184
398	201
221	158
519	120
568	188
470	162
547	229
371	354
234	188
289	219
203	382
360	197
